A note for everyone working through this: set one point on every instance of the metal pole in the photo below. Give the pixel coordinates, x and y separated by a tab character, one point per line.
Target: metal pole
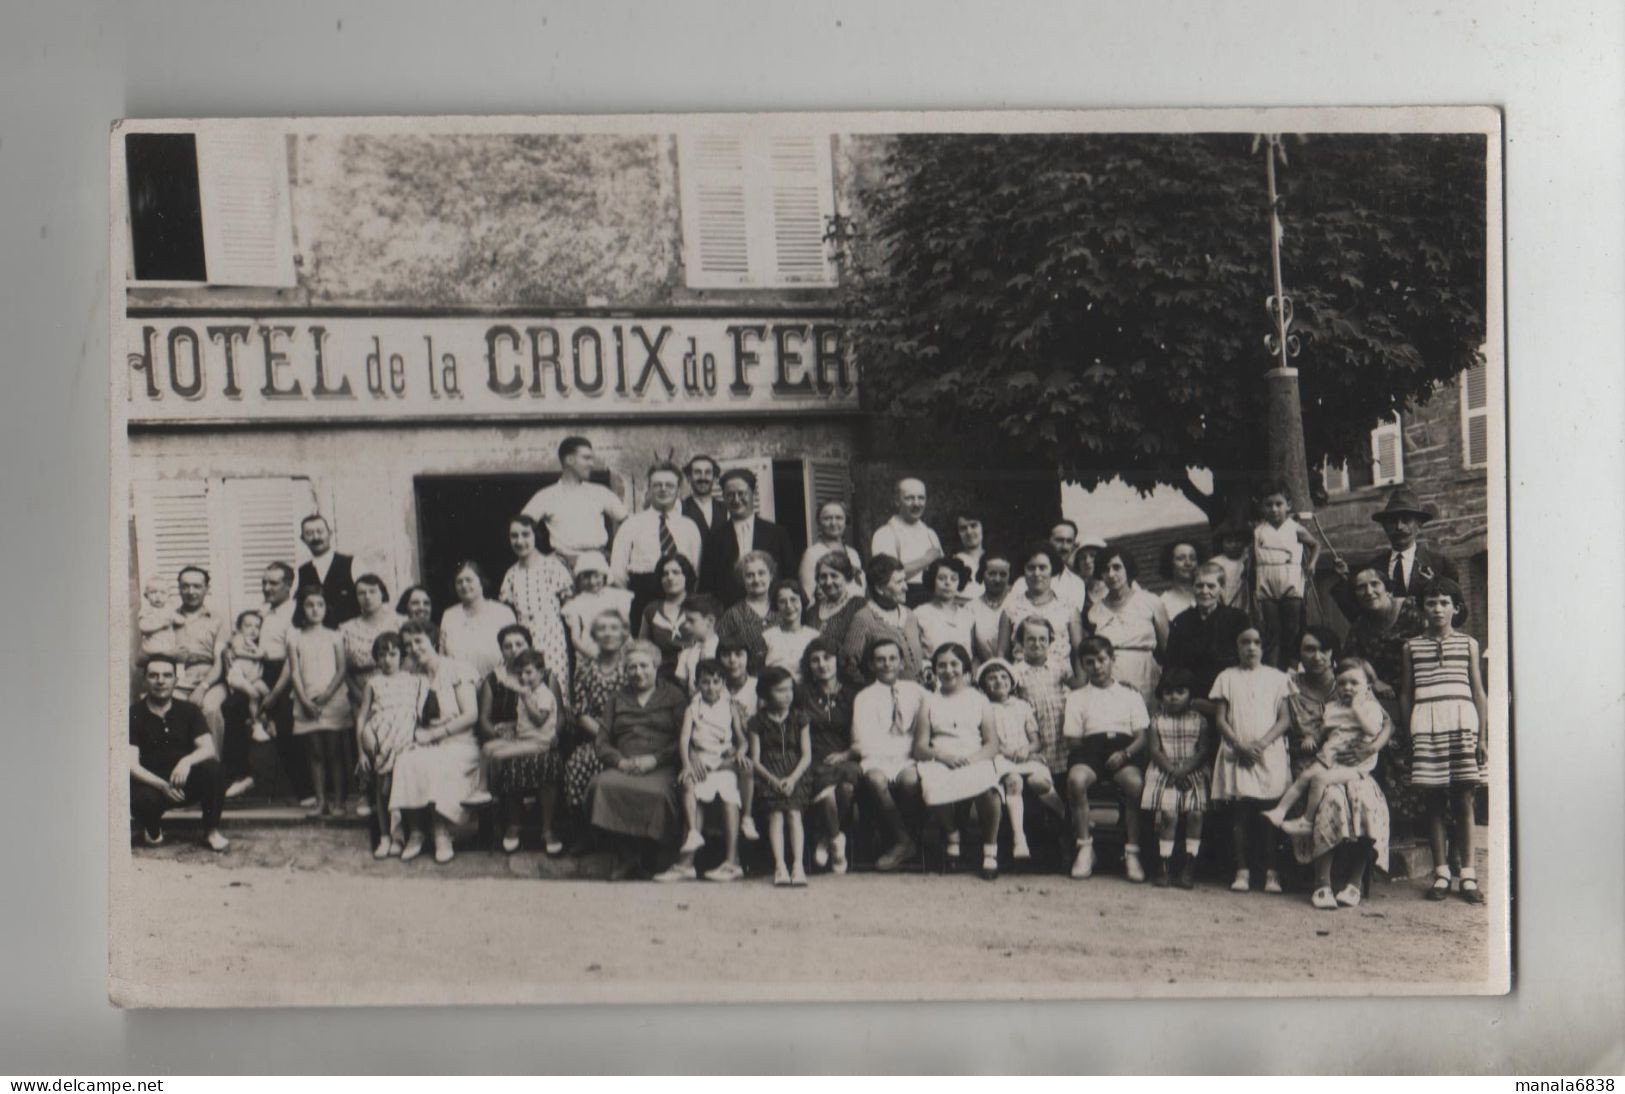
1288	461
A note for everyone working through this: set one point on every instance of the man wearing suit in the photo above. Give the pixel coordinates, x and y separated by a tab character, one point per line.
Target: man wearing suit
743	532
1408	564
701	506
329	569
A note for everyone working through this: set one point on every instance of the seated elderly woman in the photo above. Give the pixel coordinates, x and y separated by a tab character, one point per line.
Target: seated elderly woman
635	797
441	770
1349	831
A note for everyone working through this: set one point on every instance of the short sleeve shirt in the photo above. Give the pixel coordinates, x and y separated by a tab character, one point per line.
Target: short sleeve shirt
905	542
574	514
1116	709
162	740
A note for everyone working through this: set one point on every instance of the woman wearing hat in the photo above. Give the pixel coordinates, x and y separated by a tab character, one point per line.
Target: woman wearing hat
1408	564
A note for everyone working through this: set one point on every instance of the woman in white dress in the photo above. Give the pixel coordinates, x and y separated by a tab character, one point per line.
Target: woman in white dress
1132	620
441	770
469	628
946	617
536	587
955	743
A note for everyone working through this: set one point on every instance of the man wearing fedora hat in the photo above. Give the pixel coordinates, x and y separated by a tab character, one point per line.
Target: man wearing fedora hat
1408	564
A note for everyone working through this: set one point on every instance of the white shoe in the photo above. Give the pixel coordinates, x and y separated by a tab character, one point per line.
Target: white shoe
1324	900
154	838
747	828
1272	883
413	848
308	802
837	854
952	849
694	842
510	844
1020	851
478	798
675	872
1350	896
382	850
215	841
798	877
363	808
443	851
1131	865
781	876
1084	864
1243	882
821	854
240	787
725	872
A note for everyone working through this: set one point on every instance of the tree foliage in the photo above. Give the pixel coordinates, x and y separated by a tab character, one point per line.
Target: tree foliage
1101	299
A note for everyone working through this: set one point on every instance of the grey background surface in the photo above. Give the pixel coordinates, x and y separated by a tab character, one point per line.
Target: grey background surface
68	70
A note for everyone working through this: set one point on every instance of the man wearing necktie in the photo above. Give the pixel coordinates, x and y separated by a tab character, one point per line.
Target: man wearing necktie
1408	564
645	538
884	717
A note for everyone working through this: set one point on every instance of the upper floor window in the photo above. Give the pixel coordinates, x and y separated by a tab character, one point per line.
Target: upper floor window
1475	415
754	207
1386	466
209	207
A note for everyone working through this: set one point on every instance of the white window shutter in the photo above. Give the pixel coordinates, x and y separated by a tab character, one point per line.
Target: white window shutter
803	200
1388	453
711	168
172	529
1335	476
247	221
762	468
1475	415
262	526
826	480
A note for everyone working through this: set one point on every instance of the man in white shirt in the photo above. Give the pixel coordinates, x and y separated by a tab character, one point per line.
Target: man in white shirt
701	505
1067	585
648	536
883	718
580	515
908	539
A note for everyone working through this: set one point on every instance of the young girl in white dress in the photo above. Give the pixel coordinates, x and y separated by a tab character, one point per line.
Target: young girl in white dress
955	743
946	617
390	705
712	748
1020	762
1252	768
787	638
321	701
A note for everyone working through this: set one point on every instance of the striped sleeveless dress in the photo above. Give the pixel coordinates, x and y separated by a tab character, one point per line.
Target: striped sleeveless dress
1444	722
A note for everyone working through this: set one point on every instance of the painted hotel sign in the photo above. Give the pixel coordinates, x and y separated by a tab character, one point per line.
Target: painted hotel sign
201	369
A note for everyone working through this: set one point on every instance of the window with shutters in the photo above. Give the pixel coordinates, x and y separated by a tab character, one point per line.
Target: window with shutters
754	209
209	207
827	480
1384	467
1388	453
1475	415
233	528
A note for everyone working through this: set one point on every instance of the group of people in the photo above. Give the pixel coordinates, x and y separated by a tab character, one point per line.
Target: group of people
662	679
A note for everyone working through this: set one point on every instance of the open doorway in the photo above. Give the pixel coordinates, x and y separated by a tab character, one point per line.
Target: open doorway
465	517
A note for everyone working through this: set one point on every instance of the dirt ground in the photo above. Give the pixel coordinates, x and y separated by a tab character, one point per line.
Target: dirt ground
303	915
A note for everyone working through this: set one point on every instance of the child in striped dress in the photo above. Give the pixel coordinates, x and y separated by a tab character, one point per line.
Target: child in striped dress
1176	779
1442	699
1042	683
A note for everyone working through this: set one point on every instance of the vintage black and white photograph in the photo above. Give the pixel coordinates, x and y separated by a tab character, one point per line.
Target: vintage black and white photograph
808	557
